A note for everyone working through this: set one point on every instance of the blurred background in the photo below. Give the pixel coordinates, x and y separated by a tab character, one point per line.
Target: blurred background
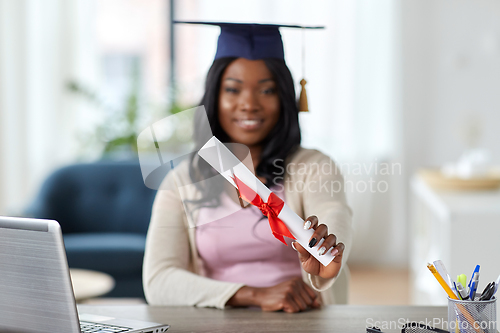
395	88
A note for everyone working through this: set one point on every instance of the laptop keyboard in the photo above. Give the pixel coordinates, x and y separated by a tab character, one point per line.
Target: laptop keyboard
87	327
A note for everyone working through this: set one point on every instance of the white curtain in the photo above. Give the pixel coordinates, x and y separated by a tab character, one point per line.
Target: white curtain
41	47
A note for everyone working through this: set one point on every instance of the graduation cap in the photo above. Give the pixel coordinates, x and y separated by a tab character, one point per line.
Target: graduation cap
255	41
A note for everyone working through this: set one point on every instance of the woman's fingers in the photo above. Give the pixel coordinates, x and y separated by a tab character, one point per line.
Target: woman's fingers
328	244
295	300
303	294
338	250
320	232
290	305
301	303
293	295
311	222
312	294
321	239
303	254
308	299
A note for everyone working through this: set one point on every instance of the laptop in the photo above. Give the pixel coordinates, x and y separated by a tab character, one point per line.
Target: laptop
36	294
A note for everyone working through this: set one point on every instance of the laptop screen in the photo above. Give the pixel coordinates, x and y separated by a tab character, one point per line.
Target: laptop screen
35	287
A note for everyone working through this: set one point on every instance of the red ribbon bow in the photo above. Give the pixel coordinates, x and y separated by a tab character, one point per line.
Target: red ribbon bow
271	209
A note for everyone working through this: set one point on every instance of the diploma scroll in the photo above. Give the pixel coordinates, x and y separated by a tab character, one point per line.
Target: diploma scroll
227	164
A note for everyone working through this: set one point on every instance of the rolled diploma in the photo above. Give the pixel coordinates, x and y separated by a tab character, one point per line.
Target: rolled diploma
224	161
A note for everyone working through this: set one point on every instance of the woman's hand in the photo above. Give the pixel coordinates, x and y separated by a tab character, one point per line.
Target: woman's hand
310	264
290	296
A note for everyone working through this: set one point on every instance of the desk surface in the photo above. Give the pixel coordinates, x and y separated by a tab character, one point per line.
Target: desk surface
335	318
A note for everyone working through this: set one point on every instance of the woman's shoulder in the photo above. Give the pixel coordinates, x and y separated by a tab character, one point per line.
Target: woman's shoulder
182	169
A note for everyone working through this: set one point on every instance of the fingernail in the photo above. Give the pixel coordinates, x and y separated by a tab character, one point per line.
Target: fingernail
293	245
307	225
322	250
312	242
335	251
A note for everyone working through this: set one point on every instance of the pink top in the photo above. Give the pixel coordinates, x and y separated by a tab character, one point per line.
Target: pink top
241	248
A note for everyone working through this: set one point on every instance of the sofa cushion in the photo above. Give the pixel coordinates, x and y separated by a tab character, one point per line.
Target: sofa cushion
112	253
96	197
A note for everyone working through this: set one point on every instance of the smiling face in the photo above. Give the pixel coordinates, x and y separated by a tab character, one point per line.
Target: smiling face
249	105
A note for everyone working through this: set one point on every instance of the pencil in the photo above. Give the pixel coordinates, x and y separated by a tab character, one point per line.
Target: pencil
443	284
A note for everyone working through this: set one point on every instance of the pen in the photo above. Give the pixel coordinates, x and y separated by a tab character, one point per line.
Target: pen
493	290
463	293
496	285
457	291
487	292
473	287
476	270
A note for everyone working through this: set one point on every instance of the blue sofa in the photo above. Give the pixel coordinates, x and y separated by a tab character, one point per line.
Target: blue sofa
104	210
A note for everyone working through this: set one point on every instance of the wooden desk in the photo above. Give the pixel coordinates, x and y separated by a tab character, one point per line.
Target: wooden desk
334	318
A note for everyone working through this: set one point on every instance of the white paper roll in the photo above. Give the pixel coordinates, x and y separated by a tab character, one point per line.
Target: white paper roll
228	165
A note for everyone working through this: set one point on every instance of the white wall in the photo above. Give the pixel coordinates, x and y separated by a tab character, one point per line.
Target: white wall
451	79
451	57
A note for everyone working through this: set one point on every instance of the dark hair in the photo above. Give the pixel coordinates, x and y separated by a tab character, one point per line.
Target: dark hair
282	141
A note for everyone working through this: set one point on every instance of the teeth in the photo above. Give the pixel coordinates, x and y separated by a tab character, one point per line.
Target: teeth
249	122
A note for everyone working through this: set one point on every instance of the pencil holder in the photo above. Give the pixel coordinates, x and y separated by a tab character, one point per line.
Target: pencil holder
472	316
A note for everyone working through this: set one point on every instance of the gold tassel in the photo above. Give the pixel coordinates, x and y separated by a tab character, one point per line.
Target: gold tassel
303	107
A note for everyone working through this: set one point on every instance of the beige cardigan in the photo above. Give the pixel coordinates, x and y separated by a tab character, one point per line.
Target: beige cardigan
172	270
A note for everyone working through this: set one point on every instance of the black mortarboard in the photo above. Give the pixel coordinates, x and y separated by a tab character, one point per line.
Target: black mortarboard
253	41
249	40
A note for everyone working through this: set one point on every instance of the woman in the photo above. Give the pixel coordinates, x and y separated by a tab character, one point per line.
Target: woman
235	261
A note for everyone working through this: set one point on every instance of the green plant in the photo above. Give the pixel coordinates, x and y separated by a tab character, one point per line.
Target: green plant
120	127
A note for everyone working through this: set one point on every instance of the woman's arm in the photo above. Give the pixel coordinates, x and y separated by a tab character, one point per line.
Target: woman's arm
167	275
